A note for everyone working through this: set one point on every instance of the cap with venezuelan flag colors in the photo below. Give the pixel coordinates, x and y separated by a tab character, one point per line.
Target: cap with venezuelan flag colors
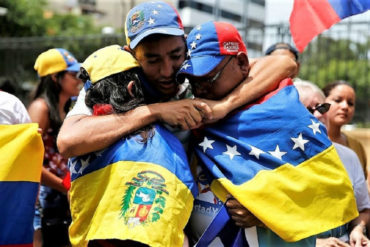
155	17
56	60
108	61
208	44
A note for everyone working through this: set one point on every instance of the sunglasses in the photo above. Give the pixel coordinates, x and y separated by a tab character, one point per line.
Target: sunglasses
218	74
322	108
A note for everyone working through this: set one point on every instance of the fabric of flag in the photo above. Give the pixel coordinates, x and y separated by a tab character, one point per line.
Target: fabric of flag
311	17
132	191
21	152
275	158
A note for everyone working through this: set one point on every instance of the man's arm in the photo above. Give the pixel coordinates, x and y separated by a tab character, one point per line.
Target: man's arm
264	76
81	134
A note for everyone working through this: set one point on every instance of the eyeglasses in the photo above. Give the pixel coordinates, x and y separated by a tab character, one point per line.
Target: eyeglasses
218	74
322	108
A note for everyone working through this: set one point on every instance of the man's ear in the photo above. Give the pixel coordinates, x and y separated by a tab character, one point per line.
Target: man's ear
129	88
127	48
243	62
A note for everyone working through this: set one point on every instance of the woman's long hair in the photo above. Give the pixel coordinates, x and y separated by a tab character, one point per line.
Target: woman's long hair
49	90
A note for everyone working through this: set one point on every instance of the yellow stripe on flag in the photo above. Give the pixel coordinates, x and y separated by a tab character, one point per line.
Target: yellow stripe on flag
104	205
298	202
21	152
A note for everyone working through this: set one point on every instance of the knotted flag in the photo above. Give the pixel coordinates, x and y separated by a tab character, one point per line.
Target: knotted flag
132	190
276	159
311	17
21	152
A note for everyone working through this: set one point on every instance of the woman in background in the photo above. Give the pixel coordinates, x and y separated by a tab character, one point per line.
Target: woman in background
57	69
342	98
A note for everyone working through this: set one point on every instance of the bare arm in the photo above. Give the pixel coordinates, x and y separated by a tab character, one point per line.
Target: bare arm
83	134
264	76
51	180
39	113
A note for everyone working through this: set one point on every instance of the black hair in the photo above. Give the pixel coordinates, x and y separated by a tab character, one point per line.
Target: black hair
282	45
113	90
49	90
328	88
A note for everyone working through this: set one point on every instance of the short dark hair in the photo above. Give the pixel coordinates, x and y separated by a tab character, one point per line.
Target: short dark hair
282	45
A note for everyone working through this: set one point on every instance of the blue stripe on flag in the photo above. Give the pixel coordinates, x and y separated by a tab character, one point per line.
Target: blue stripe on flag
16	221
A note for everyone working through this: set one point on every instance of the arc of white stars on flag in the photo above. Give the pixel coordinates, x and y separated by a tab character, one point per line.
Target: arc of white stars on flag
198	36
84	164
277	153
299	142
256	152
155	12
315	126
206	144
231	151
72	167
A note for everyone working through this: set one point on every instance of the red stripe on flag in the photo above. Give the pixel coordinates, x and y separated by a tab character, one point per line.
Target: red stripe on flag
309	18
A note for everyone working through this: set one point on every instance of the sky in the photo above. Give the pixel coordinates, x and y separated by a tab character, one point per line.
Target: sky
278	11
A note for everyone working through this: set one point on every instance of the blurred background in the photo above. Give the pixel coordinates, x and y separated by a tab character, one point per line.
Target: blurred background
29	27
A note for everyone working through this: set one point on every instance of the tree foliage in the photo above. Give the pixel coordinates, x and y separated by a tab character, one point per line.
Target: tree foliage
328	59
26	18
23	18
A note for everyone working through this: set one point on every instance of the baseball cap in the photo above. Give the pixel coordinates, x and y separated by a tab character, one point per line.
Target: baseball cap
155	17
208	44
284	46
56	60
108	61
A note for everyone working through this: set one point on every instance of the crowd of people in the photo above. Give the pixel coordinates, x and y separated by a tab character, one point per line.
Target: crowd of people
171	130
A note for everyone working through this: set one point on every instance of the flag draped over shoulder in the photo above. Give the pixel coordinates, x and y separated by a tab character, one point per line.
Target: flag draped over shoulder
275	158
311	17
132	191
21	152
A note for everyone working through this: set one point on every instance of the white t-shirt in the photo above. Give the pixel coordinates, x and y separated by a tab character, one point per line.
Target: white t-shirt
80	107
356	175
12	110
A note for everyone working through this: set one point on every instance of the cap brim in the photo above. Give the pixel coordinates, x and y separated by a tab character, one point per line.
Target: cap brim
200	66
160	30
74	68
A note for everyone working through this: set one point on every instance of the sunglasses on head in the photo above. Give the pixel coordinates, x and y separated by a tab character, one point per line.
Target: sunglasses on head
322	108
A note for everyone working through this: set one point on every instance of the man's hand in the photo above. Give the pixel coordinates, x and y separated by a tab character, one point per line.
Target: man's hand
330	242
186	114
357	237
242	216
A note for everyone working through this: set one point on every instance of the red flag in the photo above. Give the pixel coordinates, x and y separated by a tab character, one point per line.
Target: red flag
311	17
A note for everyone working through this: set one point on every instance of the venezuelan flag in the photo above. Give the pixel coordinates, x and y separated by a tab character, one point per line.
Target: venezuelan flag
311	17
275	158
132	191
21	152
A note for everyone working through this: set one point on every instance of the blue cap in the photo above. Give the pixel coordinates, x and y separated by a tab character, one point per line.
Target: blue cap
208	44
155	17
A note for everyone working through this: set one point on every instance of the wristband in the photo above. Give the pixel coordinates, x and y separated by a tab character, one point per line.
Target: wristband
67	181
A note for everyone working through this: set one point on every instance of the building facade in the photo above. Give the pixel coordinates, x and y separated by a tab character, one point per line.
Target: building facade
247	15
